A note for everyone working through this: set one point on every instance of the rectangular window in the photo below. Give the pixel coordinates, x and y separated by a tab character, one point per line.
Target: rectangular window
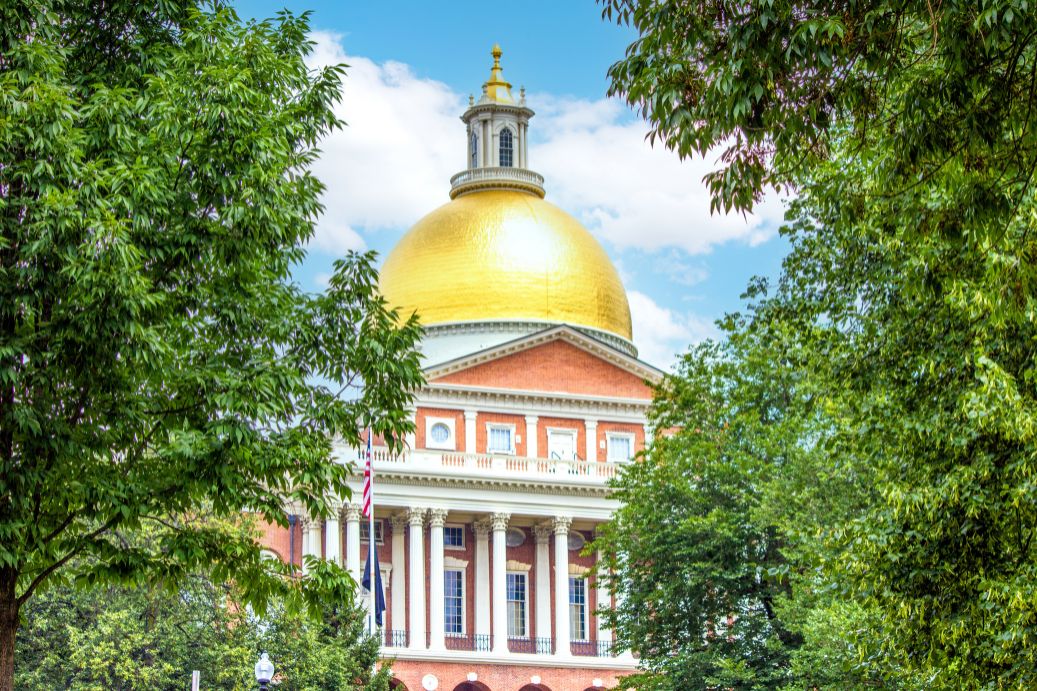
578	608
365	530
620	447
499	439
453	602
516	587
453	537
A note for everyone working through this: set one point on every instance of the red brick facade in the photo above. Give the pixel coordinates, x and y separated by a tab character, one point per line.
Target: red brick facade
557	367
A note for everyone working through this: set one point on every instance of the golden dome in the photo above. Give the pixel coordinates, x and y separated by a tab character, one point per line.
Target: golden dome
505	256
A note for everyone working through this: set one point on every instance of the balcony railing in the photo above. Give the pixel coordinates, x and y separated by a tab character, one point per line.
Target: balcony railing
479	643
497	466
395	638
483	643
496	178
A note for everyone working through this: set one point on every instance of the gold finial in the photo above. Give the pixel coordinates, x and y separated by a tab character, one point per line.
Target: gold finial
496	89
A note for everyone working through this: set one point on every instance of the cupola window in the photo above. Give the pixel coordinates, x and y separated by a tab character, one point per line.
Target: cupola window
507	148
475	151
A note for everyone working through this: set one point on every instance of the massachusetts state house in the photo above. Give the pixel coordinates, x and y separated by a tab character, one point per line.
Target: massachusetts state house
535	399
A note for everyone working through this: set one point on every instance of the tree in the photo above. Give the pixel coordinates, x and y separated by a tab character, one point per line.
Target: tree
157	362
908	132
113	637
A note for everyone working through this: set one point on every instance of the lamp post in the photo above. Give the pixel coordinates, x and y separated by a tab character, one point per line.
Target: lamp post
264	671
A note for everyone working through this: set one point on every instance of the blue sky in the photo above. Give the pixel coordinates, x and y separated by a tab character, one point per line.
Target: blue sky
412	66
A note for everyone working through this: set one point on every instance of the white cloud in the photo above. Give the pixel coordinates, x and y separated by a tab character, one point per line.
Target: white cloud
392	163
660	333
599	166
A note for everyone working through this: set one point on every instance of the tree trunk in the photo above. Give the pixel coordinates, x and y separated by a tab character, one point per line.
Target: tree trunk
8	626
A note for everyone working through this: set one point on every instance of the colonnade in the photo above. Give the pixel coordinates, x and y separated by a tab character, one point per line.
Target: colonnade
490	593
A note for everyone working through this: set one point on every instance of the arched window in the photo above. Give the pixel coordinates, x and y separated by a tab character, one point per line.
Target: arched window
507	149
475	151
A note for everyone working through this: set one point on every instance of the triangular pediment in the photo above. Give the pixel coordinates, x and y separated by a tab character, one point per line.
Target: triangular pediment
556	360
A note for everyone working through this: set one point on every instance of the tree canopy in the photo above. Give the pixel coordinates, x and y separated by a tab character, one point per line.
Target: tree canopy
157	361
904	315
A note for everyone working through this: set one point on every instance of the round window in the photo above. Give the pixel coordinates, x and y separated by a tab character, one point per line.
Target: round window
576	541
514	537
440	433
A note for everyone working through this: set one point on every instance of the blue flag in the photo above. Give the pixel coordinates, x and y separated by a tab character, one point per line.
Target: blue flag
379	594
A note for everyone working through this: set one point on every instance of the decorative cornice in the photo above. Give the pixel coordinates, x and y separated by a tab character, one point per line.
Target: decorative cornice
482	528
528	328
499	521
561	525
577	570
514	565
436	518
416	516
520	402
454	563
471	482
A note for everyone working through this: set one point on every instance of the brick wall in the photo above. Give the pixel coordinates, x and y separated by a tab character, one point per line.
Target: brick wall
556	366
501	677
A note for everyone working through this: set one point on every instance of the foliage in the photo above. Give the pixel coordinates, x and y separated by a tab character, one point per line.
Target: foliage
113	637
156	359
906	309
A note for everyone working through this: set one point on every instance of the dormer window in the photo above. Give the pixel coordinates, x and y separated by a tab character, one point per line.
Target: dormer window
507	148
475	151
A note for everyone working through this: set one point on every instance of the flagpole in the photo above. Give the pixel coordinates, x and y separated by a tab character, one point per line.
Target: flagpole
371	543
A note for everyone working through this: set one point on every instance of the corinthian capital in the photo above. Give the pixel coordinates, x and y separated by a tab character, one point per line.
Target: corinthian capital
499	521
437	517
561	525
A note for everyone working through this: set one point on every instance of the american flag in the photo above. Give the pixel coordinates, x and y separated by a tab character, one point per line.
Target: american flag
365	505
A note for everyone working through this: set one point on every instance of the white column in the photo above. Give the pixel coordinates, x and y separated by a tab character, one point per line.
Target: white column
353	541
315	537
592	439
520	155
525	145
334	536
603	601
304	527
397	585
532	436
487	144
499	522
561	526
542	532
409	439
435	579
416	629
470	420
482	581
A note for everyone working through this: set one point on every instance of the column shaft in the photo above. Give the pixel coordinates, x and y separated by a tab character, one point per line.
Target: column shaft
416	629
353	541
397	596
543	584
437	634
500	594
562	638
334	538
482	584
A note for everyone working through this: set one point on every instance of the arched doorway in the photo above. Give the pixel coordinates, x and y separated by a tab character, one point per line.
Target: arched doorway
535	687
471	686
397	685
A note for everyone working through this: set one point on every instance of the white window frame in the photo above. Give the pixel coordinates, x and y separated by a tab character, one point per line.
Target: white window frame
464	539
569	431
525	596
586	607
464	601
379	530
500	425
609	436
451	442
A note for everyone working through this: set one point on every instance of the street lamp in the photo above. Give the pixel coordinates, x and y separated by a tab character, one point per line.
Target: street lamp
264	671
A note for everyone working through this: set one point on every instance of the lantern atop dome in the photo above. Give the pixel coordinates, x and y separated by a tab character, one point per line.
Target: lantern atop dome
497	152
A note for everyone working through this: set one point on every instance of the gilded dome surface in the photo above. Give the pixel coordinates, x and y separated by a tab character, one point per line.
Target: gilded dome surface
505	256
